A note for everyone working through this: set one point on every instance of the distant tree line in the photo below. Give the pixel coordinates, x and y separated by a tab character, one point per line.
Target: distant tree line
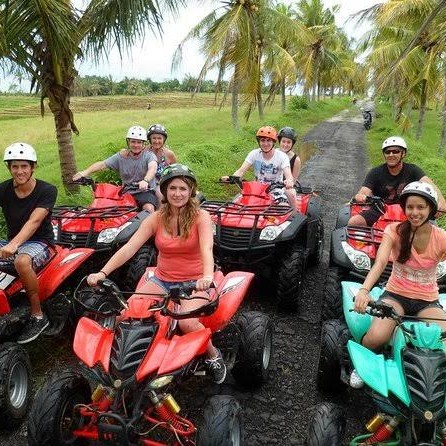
105	85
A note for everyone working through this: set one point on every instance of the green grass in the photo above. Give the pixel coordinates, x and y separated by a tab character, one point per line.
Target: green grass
203	138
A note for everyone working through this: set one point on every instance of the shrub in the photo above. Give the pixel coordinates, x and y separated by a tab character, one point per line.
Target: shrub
298	103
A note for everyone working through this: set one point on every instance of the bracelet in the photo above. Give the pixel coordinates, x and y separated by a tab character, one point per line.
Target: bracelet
103	272
363	288
146	180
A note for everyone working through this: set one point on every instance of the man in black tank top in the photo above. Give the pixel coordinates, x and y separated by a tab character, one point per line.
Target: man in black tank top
26	204
388	180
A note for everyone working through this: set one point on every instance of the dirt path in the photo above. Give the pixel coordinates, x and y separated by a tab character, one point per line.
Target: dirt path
279	412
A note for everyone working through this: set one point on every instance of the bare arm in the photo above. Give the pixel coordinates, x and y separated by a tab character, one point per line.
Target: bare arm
382	258
144	232
29	228
95	167
171	156
296	168
242	169
206	240
149	176
289	180
362	194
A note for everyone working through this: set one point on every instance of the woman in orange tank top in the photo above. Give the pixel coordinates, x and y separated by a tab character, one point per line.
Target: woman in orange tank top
183	237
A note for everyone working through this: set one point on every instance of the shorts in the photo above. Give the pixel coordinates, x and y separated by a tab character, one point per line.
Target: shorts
38	251
410	306
147	196
370	216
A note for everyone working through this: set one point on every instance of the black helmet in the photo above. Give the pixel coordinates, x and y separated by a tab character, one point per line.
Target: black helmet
157	129
287	132
175	171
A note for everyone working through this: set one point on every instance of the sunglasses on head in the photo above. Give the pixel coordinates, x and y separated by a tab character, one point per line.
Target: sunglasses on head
392	151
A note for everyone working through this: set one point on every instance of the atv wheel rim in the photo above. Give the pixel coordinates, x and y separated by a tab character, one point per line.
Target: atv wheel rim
18	385
235	433
267	348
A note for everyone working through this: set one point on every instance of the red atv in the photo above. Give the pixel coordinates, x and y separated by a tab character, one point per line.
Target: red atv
133	362
353	251
57	281
105	225
266	235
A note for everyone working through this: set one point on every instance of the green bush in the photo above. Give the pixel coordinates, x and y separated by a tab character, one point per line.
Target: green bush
298	103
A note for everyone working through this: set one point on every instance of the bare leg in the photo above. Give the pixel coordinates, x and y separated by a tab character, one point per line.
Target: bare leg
437	313
23	265
381	330
357	220
148	207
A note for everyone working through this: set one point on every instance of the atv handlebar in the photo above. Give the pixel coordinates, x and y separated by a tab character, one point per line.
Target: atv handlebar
110	299
85	181
231	179
383	310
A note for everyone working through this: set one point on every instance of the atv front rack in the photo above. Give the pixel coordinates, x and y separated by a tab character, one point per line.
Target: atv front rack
61	212
228	207
365	234
87	238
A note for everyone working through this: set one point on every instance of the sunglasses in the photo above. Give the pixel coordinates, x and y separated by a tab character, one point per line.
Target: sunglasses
392	151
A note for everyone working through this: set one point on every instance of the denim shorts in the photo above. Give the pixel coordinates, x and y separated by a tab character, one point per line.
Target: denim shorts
147	196
166	286
38	251
410	306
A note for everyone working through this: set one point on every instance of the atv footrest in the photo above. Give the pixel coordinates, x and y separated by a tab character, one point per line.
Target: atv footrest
112	430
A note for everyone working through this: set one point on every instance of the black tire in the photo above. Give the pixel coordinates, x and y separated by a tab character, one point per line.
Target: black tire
255	352
291	272
327	427
135	267
334	337
332	297
51	417
15	385
221	423
316	256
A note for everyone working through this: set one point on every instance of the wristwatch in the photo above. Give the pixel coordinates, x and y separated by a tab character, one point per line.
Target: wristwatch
146	180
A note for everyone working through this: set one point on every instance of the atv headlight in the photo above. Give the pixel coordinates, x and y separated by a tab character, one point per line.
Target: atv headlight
109	234
55	230
359	259
161	382
441	269
272	232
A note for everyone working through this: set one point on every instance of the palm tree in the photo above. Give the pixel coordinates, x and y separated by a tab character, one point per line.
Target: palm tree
45	38
237	36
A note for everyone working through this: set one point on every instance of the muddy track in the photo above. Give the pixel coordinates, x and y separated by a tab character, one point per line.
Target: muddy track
279	412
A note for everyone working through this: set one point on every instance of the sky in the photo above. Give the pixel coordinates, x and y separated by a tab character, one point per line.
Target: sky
152	58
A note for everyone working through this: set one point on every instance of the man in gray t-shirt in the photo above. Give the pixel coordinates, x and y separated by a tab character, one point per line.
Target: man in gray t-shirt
135	165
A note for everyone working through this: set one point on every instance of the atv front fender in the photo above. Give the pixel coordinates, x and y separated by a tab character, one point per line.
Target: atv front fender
127	232
92	343
232	291
338	257
60	268
379	374
297	223
4	304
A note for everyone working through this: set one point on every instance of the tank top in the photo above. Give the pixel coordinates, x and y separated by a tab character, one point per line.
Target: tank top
179	259
162	164
292	161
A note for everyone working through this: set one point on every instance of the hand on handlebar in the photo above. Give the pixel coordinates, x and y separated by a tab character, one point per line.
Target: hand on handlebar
143	185
204	283
78	175
362	299
94	278
361	198
289	184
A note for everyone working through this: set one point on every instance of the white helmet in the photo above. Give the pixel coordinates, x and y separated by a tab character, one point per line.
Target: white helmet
20	151
422	189
394	141
137	132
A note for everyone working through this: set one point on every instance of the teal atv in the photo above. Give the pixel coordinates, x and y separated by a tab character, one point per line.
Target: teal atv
407	382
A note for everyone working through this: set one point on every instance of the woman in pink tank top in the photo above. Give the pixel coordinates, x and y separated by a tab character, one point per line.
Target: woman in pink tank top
183	237
416	246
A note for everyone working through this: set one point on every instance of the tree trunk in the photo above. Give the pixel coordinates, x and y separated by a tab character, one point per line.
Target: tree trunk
283	96
443	124
58	96
423	101
260	104
234	100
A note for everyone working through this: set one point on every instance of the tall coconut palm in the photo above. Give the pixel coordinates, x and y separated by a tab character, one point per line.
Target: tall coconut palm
236	37
45	38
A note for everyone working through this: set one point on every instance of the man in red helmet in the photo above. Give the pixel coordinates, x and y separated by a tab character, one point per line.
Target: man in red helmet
270	165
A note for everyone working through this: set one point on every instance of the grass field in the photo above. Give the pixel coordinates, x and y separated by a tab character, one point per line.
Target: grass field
199	132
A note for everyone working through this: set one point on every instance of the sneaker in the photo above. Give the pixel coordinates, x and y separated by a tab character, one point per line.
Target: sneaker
33	329
355	380
217	368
